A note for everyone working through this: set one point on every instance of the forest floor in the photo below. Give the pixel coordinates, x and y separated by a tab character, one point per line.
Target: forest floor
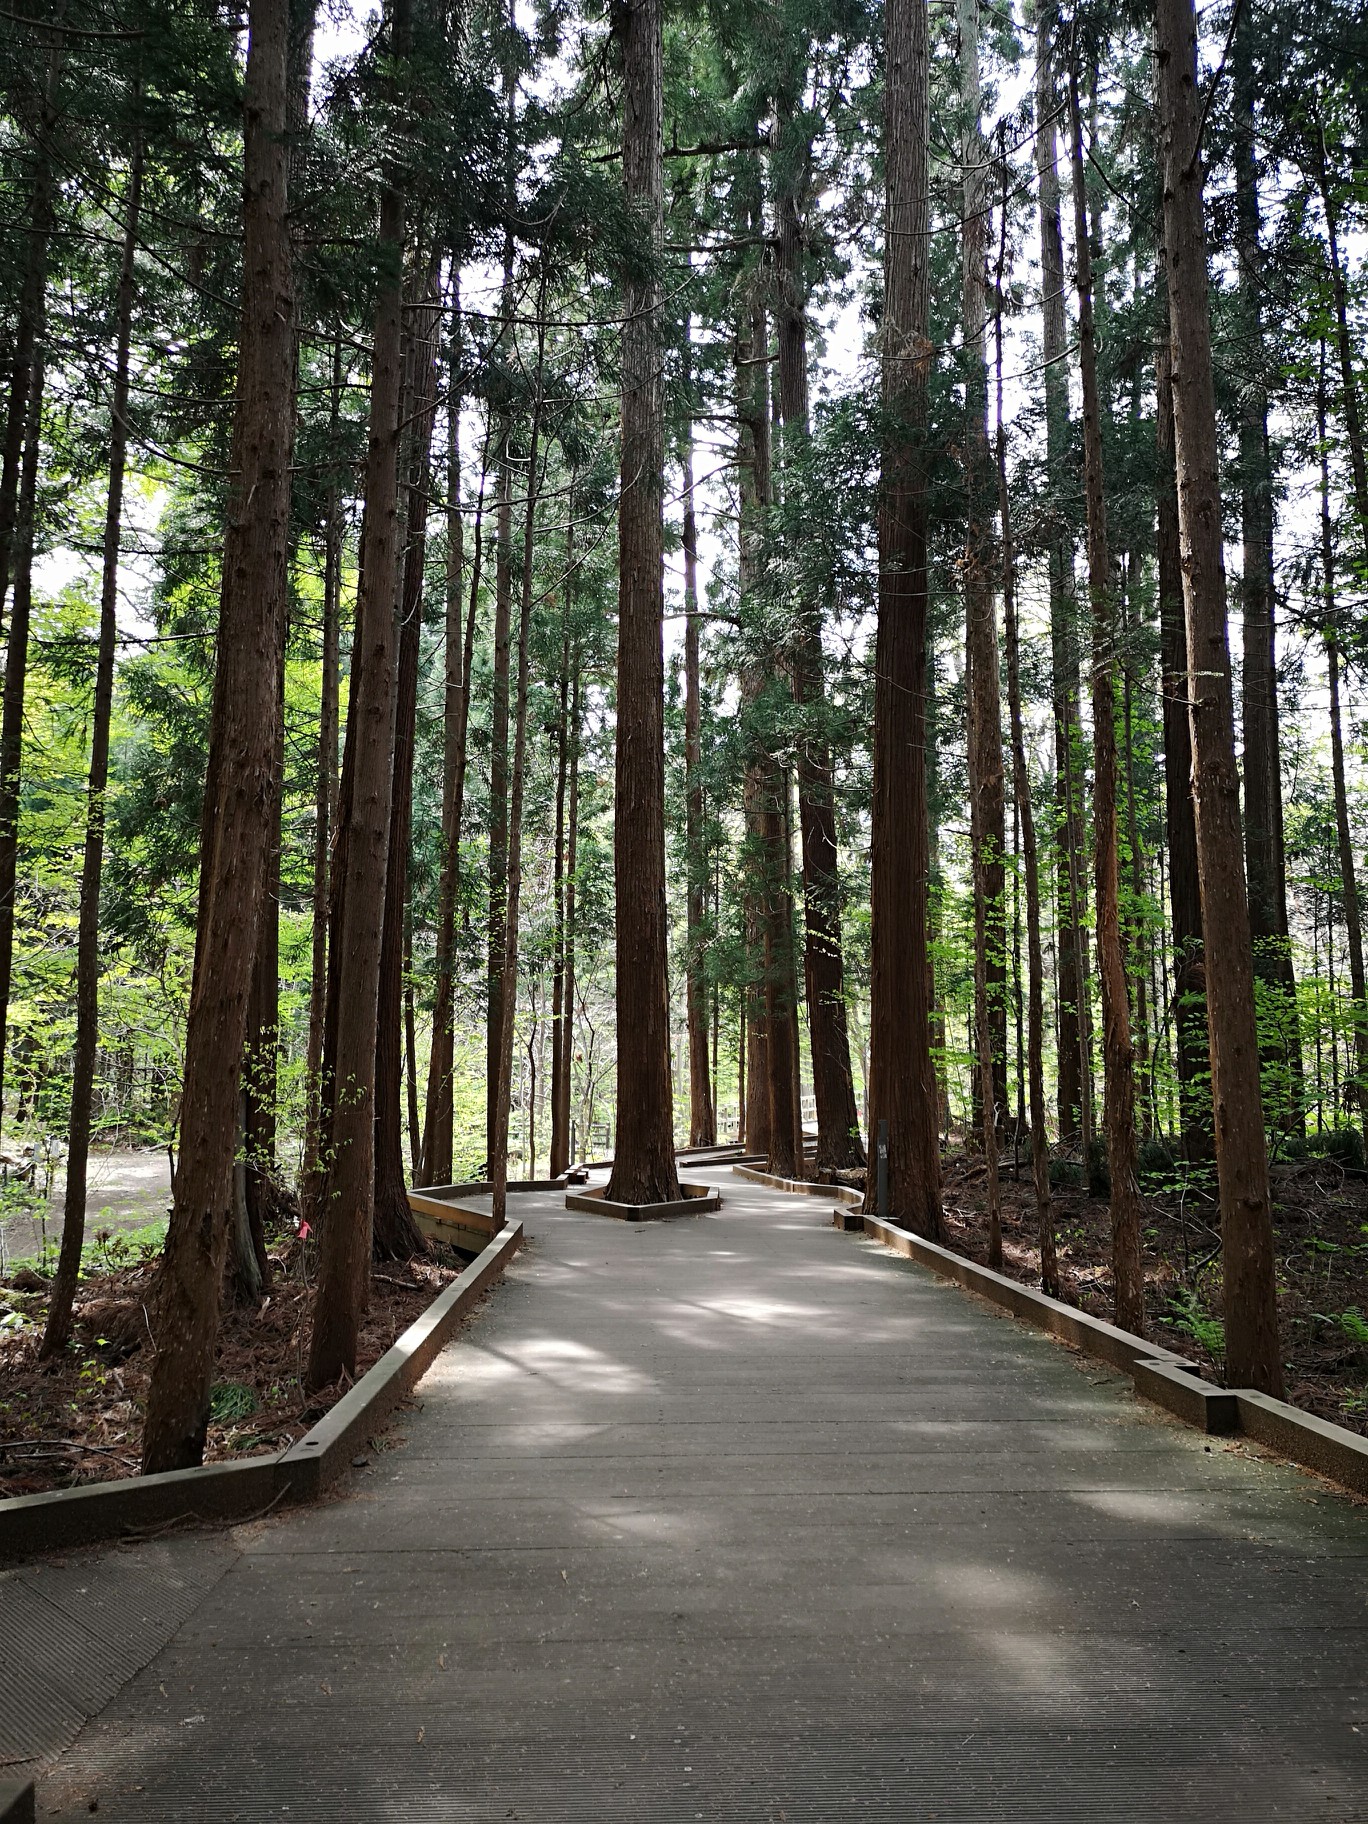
79	1419
1321	1240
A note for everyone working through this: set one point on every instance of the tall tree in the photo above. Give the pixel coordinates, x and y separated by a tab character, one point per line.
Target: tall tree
395	1235
460	655
92	861
503	623
325	791
643	1164
1265	868
1118	1057
563	1032
498	1164
1185	904
1253	1357
361	849
26	408
38	114
1353	922
838	1122
235	851
1074	1074
987	811
702	1127
561	1010
1030	854
902	1086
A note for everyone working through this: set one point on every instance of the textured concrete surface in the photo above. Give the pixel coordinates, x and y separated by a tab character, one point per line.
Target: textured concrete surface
743	1518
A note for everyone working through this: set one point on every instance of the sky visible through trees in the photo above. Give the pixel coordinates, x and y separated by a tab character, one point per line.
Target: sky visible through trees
580	580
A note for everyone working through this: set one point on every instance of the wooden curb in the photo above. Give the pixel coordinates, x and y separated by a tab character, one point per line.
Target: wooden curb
697	1200
847	1212
234	1492
308	1467
1161	1376
1331	1451
1122	1348
16	1802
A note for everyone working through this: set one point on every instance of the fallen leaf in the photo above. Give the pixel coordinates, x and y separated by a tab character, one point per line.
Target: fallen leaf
421	1734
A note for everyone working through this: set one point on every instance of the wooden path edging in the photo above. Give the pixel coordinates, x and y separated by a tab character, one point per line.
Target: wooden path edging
16	1802
234	1492
1161	1376
847	1213
698	1200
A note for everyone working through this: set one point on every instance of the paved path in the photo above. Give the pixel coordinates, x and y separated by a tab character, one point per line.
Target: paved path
126	1189
742	1518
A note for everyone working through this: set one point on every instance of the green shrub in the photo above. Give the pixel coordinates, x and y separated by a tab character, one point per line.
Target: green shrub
1191	1318
1155	1162
1066	1174
1343	1145
231	1400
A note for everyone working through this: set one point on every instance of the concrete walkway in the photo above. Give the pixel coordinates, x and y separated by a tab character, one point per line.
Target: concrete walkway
742	1518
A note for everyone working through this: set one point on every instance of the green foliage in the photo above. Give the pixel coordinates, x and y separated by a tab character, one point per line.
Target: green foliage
1155	1163
231	1400
1354	1326
1343	1145
1191	1317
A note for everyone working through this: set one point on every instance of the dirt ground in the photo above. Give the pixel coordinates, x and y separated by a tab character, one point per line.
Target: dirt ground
1321	1241
79	1419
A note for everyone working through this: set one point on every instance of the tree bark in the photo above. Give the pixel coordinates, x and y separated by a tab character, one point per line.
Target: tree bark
84	1051
1353	922
781	1049
562	971
498	1164
753	487
702	1128
1118	1058
987	803
498	714
768	906
565	1038
1264	872
33	311
324	797
361	855
1253	1358
30	328
1073	1010
981	649
1030	856
559	1150
1185	905
644	1162
440	1113
839	1146
184	1309
902	1089
395	1235
1344	344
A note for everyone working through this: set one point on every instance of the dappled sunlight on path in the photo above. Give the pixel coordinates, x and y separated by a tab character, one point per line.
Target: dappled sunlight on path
739	1517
